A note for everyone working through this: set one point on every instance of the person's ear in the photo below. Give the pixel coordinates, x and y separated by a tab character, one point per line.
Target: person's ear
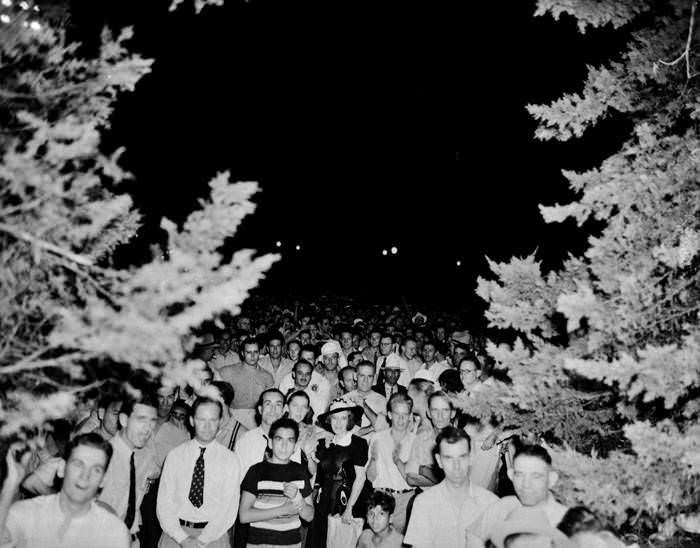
452	414
294	374
192	422
61	469
101	414
510	474
123	420
269	443
439	461
553	478
388	414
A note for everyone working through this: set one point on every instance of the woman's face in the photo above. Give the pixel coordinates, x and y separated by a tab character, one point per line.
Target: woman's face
298	408
339	422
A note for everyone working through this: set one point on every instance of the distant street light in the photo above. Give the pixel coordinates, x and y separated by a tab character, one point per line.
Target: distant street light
278	243
384	252
459	263
298	247
394	250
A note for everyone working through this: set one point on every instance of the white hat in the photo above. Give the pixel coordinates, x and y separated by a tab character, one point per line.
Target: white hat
425	375
392	362
419	316
331	347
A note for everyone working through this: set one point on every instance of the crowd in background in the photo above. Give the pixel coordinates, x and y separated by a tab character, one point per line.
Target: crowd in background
329	424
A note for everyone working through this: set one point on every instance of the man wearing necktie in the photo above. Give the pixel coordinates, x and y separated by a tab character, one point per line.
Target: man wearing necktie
199	487
133	461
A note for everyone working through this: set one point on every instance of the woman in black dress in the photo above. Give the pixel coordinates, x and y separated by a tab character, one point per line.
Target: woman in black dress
340	476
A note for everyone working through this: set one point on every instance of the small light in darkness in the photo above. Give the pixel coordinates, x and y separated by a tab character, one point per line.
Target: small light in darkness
5	18
384	252
7	3
278	243
298	247
459	263
394	250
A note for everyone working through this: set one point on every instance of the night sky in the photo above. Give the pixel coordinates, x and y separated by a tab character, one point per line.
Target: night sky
368	125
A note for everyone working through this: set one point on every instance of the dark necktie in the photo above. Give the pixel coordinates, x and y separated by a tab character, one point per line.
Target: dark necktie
196	495
380	374
131	508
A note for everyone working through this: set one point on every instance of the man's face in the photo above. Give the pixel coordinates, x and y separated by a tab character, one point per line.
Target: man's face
275	349
298	408
305	338
458	353
244	324
330	361
356	359
532	480
409	350
374	339
440	333
325	324
400	416
110	417
428	353
283	443
365	378
377	519
346	340
420	338
349	380
356	340
468	373
138	427
206	421
293	350
440	412
391	376
453	458
166	398
271	408
178	416
308	356
302	375
83	473
385	345
251	354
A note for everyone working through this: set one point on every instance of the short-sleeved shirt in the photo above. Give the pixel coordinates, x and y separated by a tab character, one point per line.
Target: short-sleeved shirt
248	382
40	523
266	481
436	522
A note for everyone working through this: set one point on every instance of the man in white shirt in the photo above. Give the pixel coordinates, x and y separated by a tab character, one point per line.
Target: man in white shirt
70	518
373	404
441	515
274	363
431	367
389	452
133	461
409	355
251	446
304	378
533	479
199	487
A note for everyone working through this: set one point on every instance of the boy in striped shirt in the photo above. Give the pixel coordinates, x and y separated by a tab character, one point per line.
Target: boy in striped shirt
276	492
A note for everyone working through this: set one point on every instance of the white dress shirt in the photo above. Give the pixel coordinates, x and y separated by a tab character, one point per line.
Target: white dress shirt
284	369
222	479
250	449
388	475
318	391
117	480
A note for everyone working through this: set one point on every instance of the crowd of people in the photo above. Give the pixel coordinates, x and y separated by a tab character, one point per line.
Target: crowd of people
311	427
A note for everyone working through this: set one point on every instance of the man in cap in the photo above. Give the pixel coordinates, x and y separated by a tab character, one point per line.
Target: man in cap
331	361
389	385
527	527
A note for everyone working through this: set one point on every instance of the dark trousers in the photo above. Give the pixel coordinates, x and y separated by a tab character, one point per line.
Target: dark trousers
150	532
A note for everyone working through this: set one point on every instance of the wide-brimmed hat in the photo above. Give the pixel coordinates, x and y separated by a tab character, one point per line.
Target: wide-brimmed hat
531	521
342	404
392	362
207	340
419	316
463	338
331	347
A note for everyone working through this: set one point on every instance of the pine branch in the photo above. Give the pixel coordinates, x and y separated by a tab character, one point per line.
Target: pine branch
21	235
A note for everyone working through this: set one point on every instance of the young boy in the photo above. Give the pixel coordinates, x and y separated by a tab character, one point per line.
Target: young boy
276	492
381	533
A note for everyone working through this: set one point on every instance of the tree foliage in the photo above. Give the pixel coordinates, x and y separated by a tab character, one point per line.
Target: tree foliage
71	320
605	361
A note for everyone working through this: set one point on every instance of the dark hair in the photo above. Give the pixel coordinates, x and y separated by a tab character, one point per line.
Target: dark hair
387	335
108	398
147	398
365	363
182	404
284	422
294	341
513	537
450	382
470	357
531	450
399	397
440	394
274	336
303	362
304	332
374	330
344	329
351	420
309	348
580	519
90	439
407	338
430	342
250	340
384	500
451	435
226	391
352	355
201	400
423	385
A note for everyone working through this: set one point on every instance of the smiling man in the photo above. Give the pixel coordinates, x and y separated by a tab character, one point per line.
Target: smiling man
70	518
442	514
134	461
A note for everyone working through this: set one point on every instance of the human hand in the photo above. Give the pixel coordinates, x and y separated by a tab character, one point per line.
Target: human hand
191	542
490	441
290	490
347	515
17	461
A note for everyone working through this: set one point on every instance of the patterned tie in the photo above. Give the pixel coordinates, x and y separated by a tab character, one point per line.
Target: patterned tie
131	508
196	495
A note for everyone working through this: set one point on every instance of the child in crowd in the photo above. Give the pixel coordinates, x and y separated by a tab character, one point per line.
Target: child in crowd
276	492
381	533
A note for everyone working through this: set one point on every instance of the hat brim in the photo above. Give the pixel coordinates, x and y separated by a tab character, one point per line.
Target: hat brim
521	526
356	410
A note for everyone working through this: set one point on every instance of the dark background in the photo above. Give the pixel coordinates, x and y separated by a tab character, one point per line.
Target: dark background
367	125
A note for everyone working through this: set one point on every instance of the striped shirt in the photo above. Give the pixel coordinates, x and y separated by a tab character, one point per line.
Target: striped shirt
265	480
